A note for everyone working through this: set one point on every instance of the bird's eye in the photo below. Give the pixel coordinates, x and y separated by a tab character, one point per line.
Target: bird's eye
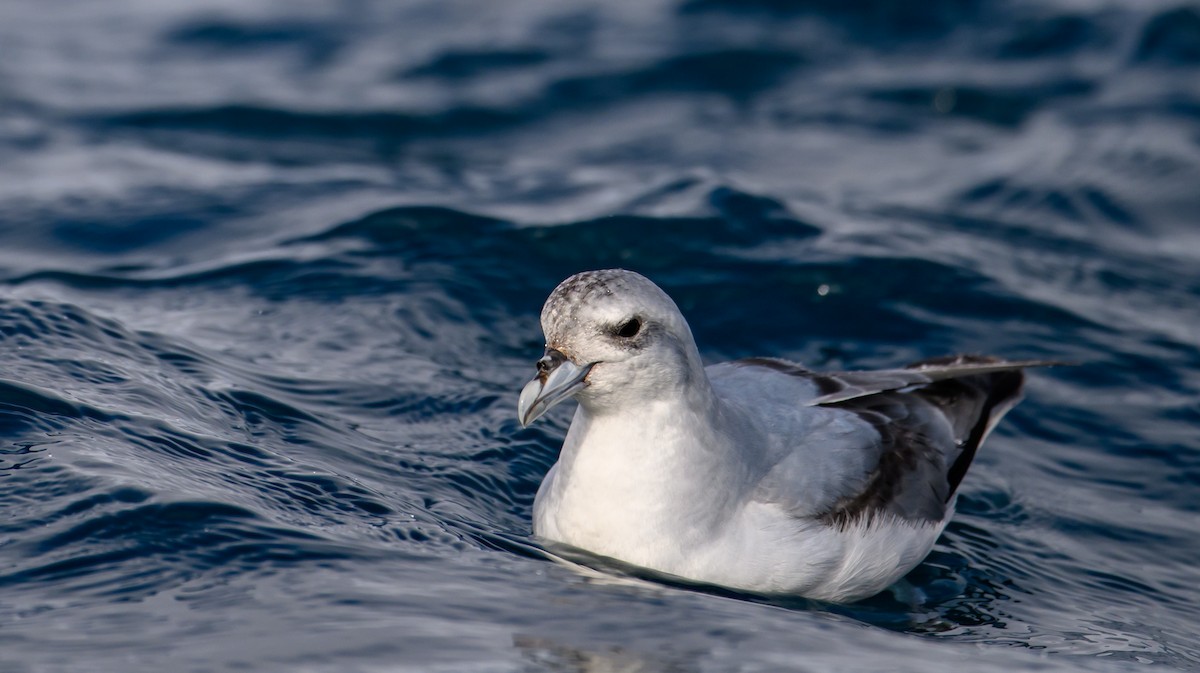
629	328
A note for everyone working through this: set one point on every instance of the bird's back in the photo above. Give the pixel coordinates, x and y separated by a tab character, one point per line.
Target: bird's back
890	450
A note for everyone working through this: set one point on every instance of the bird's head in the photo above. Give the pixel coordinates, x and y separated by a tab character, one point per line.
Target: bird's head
612	338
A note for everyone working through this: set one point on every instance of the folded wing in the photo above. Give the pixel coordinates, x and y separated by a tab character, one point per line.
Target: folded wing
929	420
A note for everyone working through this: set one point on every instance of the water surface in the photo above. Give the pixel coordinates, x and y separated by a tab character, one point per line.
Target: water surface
270	275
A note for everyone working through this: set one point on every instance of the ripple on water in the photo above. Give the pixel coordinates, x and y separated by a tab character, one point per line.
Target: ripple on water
260	340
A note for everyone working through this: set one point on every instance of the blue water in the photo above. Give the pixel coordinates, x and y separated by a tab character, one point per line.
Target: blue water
270	274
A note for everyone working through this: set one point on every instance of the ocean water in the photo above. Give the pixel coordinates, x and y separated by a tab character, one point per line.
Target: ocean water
270	275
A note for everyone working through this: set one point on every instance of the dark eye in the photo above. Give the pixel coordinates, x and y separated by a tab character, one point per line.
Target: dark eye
629	328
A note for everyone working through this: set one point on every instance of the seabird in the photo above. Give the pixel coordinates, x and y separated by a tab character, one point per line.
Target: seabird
756	475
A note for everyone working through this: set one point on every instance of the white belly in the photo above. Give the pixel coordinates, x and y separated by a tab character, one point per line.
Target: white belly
763	550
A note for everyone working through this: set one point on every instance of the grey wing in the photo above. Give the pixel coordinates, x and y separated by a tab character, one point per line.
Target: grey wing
925	426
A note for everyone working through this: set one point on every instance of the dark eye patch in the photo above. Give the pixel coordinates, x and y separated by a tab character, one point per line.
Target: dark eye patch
629	328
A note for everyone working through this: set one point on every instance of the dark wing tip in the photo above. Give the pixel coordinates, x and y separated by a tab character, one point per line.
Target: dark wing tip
973	405
971	392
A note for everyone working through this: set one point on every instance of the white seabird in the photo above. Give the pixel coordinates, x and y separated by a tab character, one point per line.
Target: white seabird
757	474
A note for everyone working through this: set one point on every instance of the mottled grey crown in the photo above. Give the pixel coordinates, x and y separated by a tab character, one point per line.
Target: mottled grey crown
605	294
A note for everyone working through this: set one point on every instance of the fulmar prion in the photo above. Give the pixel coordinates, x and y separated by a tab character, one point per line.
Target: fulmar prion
757	474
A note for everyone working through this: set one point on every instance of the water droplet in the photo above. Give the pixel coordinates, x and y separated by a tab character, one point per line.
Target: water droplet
943	100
